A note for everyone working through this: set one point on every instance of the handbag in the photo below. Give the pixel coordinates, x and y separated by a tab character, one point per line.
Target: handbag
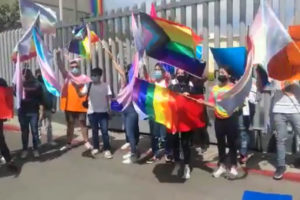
86	102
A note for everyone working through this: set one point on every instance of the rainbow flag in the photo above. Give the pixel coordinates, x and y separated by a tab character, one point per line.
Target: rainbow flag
83	37
96	7
45	61
171	43
175	111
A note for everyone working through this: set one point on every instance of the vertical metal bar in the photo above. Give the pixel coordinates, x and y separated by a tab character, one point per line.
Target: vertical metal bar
112	25
205	31
297	12
256	4
173	12
163	11
243	30
229	23
217	23
183	14
113	72
194	17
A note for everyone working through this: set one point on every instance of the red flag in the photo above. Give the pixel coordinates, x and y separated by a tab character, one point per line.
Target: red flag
7	103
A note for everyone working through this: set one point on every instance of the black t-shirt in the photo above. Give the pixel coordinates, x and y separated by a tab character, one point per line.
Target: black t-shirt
180	88
33	97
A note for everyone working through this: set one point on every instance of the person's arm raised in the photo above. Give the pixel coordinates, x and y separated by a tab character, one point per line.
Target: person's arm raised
60	64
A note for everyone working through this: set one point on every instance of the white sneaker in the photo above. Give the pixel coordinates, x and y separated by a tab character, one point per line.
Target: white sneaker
127	161
2	160
233	171
88	146
187	172
66	147
94	152
24	154
108	155
127	155
36	154
221	170
125	146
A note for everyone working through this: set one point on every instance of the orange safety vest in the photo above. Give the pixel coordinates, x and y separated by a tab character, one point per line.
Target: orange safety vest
69	100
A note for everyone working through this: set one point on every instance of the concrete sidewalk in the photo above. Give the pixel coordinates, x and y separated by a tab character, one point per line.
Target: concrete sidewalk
258	163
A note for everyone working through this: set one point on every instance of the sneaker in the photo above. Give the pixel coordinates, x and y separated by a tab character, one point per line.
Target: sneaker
107	154
221	170
233	172
127	155
125	146
66	147
243	159
24	154
95	152
278	175
152	160
187	172
127	161
36	154
2	160
132	159
88	146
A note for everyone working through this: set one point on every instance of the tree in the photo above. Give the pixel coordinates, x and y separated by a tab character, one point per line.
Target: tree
9	16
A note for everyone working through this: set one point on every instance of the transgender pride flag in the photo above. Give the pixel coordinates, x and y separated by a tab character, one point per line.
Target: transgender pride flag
45	61
273	46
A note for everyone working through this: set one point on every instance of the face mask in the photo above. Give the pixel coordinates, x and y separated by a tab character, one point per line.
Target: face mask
181	79
75	71
157	75
95	79
222	78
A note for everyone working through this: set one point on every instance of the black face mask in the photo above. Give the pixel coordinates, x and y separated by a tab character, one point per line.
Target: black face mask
182	79
222	78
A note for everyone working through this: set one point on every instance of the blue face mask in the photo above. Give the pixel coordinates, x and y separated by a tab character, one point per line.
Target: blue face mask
75	71
157	74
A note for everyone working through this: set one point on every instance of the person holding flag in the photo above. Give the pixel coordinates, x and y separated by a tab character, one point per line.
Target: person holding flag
71	102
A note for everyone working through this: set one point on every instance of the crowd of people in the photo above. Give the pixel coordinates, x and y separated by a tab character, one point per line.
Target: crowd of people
92	100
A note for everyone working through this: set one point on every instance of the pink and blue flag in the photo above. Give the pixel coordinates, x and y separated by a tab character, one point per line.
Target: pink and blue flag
124	98
45	59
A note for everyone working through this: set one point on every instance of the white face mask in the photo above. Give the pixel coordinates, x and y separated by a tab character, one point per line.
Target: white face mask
95	79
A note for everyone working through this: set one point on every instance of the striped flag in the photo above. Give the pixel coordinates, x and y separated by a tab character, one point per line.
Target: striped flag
273	46
45	59
29	12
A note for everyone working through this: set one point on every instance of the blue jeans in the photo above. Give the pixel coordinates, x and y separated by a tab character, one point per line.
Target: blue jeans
280	123
158	135
131	121
244	124
101	119
25	120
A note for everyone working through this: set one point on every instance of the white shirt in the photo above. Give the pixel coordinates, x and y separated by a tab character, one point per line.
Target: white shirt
284	103
98	102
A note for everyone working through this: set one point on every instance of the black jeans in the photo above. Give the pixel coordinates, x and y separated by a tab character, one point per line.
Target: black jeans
173	145
227	129
3	146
